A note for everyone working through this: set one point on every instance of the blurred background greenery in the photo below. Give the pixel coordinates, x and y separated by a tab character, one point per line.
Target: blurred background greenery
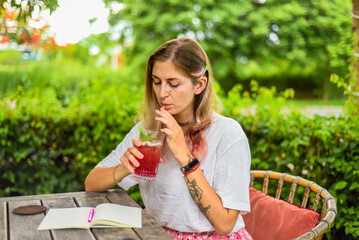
64	108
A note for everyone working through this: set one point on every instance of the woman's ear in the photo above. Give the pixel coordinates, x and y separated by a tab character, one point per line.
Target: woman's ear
200	85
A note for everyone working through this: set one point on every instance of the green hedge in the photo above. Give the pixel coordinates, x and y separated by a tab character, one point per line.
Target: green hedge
321	149
47	146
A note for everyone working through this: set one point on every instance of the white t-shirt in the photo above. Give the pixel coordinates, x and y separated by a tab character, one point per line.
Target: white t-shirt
226	168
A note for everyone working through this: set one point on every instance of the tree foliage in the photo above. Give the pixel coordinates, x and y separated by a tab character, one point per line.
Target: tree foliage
281	40
15	19
25	8
354	80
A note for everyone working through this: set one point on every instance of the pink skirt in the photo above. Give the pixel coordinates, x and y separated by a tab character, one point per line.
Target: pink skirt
241	234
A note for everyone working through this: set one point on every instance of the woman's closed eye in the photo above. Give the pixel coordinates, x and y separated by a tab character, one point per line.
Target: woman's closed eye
171	84
174	85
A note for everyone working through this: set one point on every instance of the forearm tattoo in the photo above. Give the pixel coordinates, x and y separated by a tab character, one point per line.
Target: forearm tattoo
197	193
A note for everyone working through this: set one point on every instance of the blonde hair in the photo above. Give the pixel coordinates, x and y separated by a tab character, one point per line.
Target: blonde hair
190	58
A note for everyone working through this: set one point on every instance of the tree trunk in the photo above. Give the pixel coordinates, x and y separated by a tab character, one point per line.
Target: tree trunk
326	86
354	77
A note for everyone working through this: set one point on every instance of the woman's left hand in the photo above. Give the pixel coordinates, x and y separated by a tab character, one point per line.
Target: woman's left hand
174	136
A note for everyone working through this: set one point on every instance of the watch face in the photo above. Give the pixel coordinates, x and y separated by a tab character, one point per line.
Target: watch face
192	164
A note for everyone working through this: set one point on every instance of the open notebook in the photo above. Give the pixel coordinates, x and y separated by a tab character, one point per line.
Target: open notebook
105	215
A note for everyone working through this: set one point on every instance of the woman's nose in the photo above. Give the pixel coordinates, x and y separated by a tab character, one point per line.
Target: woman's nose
164	91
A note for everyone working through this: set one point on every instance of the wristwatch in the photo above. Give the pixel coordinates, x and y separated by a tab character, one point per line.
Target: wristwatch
190	166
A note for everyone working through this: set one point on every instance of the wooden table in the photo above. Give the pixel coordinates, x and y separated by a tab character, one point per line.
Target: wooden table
15	227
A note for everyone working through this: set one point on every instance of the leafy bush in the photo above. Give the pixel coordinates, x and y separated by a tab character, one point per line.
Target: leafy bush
50	139
321	149
10	57
49	145
66	77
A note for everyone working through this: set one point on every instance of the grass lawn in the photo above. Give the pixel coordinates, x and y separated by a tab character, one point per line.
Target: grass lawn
315	102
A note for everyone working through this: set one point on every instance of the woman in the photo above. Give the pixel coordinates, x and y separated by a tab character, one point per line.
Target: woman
209	198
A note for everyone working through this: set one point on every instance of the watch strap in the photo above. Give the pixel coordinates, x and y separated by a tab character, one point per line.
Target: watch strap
190	166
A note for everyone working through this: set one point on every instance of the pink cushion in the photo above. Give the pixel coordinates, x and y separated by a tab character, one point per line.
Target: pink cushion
272	218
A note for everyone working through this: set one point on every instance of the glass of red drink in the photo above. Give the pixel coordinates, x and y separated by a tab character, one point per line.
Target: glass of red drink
151	150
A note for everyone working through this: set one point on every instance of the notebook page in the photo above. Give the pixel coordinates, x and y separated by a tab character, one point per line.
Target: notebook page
130	216
58	218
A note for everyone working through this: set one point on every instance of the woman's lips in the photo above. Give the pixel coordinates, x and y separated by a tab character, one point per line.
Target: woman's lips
166	106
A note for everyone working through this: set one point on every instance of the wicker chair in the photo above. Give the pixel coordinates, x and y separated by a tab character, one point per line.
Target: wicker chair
329	208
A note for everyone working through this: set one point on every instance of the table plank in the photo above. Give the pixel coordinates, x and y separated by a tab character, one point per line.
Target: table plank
15	228
150	230
105	233
50	196
3	220
25	226
66	234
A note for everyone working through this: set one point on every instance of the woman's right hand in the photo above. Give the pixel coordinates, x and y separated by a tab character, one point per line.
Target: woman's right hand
128	158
